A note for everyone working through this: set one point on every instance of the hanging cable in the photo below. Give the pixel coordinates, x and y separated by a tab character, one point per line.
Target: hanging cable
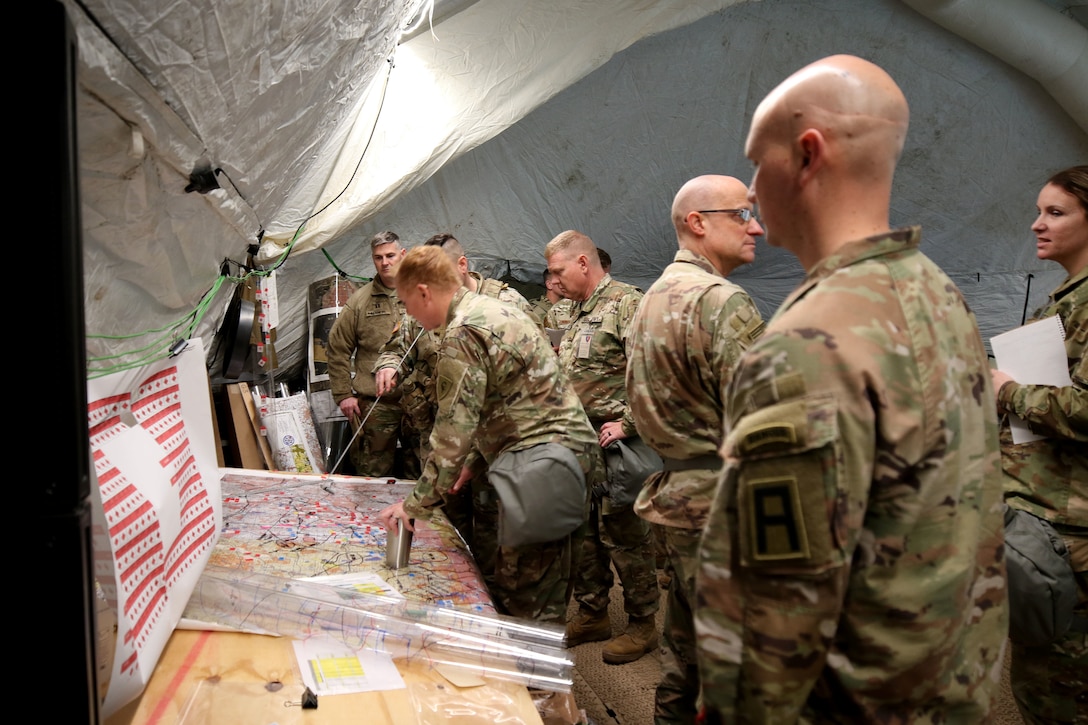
342	272
381	105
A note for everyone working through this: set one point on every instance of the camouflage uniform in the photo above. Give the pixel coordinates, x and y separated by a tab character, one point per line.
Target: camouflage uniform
561	314
474	510
500	389
364	324
593	354
415	364
688	334
540	306
503	292
852	566
1049	478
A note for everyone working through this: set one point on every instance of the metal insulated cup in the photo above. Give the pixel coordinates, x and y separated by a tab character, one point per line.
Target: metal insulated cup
398	544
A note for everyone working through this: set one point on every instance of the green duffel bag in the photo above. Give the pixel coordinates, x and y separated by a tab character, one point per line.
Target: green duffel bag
628	463
542	492
1041	584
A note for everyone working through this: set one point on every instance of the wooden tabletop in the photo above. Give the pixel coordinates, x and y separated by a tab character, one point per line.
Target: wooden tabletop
231	678
234	678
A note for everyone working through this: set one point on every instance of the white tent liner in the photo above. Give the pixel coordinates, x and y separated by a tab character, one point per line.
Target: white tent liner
510	122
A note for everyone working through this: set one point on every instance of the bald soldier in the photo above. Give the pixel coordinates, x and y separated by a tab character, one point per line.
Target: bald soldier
500	391
852	565
689	331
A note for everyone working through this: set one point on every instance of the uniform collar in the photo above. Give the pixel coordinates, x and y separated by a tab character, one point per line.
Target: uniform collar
1070	284
593	298
878	245
690	257
379	286
455	303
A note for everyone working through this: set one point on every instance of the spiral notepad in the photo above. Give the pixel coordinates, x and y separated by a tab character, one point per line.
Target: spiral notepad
1033	354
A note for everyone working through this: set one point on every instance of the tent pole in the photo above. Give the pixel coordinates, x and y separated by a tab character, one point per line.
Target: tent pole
1027	294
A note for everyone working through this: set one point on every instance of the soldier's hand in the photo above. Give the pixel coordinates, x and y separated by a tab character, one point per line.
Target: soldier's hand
611	432
999	377
388	517
462	479
350	407
385	380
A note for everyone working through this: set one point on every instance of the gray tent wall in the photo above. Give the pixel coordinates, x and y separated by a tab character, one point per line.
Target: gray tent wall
606	155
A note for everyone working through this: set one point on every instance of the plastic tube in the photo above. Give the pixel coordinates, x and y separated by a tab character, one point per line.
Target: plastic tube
495	646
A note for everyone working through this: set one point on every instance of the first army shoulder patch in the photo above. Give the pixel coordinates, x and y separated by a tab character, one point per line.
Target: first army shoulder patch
775	521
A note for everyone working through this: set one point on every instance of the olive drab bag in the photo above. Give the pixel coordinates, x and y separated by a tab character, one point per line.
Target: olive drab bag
628	463
1042	588
542	491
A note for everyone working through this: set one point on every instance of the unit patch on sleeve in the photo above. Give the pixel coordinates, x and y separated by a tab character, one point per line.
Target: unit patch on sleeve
451	371
776	524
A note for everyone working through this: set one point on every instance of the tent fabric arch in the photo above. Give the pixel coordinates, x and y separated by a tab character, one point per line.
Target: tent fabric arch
507	127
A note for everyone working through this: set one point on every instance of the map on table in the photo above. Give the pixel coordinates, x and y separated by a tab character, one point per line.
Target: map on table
283	534
297	526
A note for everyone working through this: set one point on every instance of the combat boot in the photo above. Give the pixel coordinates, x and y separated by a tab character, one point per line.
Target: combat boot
639	638
587	626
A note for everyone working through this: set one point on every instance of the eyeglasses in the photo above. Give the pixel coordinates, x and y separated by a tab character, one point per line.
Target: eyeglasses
745	214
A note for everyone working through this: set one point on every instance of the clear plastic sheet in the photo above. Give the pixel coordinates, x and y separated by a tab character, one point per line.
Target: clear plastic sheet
437	704
493	647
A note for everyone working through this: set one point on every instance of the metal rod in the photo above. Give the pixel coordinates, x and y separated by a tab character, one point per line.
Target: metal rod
1027	294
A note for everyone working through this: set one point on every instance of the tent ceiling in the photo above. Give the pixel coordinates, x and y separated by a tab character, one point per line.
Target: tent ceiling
321	129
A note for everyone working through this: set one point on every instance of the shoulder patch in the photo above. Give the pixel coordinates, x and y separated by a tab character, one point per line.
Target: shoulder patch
775	520
776	434
449	373
788	488
444	387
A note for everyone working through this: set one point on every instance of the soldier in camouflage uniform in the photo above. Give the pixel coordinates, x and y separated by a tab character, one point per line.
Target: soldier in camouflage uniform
1049	477
687	336
852	566
544	302
500	388
593	352
368	319
473	510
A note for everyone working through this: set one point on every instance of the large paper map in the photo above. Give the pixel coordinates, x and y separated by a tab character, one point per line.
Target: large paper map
312	525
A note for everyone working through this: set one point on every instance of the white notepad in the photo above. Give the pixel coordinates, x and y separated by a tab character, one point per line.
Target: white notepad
1033	354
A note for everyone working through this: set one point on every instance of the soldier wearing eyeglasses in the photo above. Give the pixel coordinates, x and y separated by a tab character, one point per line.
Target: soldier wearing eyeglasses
689	332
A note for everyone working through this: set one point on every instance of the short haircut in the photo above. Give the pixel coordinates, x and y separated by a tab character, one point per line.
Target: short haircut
570	242
386	237
606	258
429	266
449	243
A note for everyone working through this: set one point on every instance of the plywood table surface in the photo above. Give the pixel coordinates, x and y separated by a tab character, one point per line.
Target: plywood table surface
231	678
